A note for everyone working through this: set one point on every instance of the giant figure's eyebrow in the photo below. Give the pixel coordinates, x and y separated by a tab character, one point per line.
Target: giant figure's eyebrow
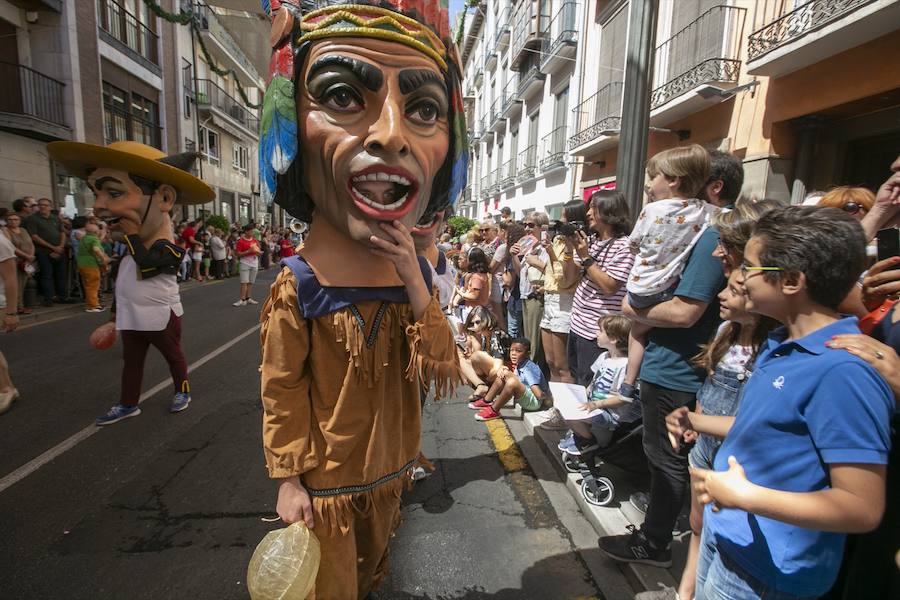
368	75
100	182
412	79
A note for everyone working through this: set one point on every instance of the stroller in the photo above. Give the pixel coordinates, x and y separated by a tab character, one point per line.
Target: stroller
625	450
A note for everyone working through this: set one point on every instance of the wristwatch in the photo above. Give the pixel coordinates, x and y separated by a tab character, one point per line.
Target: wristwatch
587	262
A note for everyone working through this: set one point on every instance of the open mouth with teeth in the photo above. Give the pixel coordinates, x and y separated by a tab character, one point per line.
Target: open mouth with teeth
384	193
110	220
427	224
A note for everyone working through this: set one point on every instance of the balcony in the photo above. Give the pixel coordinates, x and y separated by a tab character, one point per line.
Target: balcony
486	186
561	41
501	35
527	167
495	182
32	104
597	120
121	29
530	82
691	64
508	174
479	74
529	33
512	105
226	110
498	123
807	32
222	45
553	150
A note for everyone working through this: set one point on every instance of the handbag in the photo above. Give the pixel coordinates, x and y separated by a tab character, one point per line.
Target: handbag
869	322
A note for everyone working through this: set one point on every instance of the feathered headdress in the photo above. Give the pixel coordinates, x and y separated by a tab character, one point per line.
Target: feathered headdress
420	24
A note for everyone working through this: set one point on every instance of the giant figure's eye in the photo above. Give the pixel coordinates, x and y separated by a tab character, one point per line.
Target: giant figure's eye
342	98
425	112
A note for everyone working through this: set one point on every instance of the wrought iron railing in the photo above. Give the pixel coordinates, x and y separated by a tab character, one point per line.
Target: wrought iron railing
119	125
210	94
126	28
510	93
502	28
495	181
561	31
601	112
527	167
485	186
803	19
31	93
508	174
553	149
526	78
529	29
496	105
706	50
207	20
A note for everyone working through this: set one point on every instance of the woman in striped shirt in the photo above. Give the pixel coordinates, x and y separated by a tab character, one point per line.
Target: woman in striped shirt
607	261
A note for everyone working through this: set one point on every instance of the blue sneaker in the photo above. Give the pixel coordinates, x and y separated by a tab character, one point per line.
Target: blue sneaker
117	413
180	402
567	444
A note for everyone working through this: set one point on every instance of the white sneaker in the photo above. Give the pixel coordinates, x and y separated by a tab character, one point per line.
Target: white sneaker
240	303
251	301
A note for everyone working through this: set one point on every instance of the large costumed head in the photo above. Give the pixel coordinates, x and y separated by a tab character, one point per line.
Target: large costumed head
135	186
362	119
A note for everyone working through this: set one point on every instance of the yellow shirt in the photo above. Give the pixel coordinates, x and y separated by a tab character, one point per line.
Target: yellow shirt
554	279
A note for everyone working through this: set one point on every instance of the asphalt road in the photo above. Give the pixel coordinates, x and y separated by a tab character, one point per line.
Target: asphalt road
171	506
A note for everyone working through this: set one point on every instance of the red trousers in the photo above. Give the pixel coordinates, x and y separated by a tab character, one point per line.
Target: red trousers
135	345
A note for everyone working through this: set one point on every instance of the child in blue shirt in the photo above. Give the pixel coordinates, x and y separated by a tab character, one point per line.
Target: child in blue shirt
803	462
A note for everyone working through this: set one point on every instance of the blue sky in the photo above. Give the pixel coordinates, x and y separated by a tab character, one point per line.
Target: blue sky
455	7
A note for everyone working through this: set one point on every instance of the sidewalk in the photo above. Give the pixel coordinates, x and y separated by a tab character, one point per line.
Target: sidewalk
605	520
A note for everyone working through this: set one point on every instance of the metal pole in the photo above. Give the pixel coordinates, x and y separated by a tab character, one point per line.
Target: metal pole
636	102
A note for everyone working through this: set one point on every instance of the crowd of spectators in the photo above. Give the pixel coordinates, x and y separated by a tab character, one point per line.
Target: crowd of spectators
717	324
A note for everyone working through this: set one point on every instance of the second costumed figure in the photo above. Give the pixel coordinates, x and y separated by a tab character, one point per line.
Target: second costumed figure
363	134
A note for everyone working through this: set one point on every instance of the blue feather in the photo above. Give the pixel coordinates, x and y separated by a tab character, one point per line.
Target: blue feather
278	134
266	7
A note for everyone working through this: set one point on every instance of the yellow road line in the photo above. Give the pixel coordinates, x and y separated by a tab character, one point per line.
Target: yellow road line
507	450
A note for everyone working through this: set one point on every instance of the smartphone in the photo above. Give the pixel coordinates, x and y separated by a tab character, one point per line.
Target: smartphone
545	236
889	244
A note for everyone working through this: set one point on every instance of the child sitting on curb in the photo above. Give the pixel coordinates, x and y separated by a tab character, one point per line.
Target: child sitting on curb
609	369
504	385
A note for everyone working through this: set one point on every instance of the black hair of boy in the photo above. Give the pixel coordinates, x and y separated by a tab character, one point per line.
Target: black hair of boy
827	245
524	342
728	169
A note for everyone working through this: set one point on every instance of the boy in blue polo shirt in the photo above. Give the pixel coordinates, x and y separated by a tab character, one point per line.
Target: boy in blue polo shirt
804	460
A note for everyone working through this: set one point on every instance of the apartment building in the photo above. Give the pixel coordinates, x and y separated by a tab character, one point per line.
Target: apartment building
102	71
519	59
803	91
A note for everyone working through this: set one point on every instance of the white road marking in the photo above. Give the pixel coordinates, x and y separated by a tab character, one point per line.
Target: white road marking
72	441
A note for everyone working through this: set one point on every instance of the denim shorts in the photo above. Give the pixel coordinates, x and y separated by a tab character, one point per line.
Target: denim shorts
643	301
719	395
602	427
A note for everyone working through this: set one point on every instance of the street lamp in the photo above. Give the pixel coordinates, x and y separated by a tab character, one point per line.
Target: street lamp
709	92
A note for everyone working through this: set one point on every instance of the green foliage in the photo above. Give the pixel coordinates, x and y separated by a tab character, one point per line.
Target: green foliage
219	222
461	224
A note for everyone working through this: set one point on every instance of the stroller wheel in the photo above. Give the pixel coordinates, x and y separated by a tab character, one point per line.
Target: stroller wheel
598	491
573	464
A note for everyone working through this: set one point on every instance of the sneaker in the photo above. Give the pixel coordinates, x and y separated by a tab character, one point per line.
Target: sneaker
479	404
418	473
665	593
636	548
180	402
640	501
487	414
96	309
117	413
6	399
240	303
251	301
567	443
583	445
626	390
553	419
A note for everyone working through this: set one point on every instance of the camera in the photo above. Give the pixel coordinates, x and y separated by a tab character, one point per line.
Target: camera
565	229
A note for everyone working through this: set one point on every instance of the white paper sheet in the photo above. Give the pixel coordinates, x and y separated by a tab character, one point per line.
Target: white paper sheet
568	399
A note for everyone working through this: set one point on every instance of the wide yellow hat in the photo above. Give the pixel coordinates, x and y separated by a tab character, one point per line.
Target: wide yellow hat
138	159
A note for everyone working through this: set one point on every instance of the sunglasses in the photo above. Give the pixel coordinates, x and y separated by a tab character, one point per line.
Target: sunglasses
852	207
528	224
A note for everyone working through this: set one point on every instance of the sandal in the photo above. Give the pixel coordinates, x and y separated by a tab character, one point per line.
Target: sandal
476	395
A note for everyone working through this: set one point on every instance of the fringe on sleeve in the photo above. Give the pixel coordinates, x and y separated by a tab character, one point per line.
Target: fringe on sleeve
432	353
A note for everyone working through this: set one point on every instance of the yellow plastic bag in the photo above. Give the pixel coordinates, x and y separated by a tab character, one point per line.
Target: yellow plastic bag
284	564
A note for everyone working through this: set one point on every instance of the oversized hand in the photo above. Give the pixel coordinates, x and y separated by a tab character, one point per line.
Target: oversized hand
724	489
399	249
294	503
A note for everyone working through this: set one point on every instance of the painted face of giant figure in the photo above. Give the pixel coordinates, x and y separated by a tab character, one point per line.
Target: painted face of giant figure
121	202
374	131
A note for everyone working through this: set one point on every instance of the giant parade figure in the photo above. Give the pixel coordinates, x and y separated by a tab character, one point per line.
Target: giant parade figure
363	134
135	188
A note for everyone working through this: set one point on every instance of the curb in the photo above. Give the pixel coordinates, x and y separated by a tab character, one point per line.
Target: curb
605	520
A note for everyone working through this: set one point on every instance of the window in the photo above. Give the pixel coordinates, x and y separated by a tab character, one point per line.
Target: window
209	145
129	117
187	85
240	158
